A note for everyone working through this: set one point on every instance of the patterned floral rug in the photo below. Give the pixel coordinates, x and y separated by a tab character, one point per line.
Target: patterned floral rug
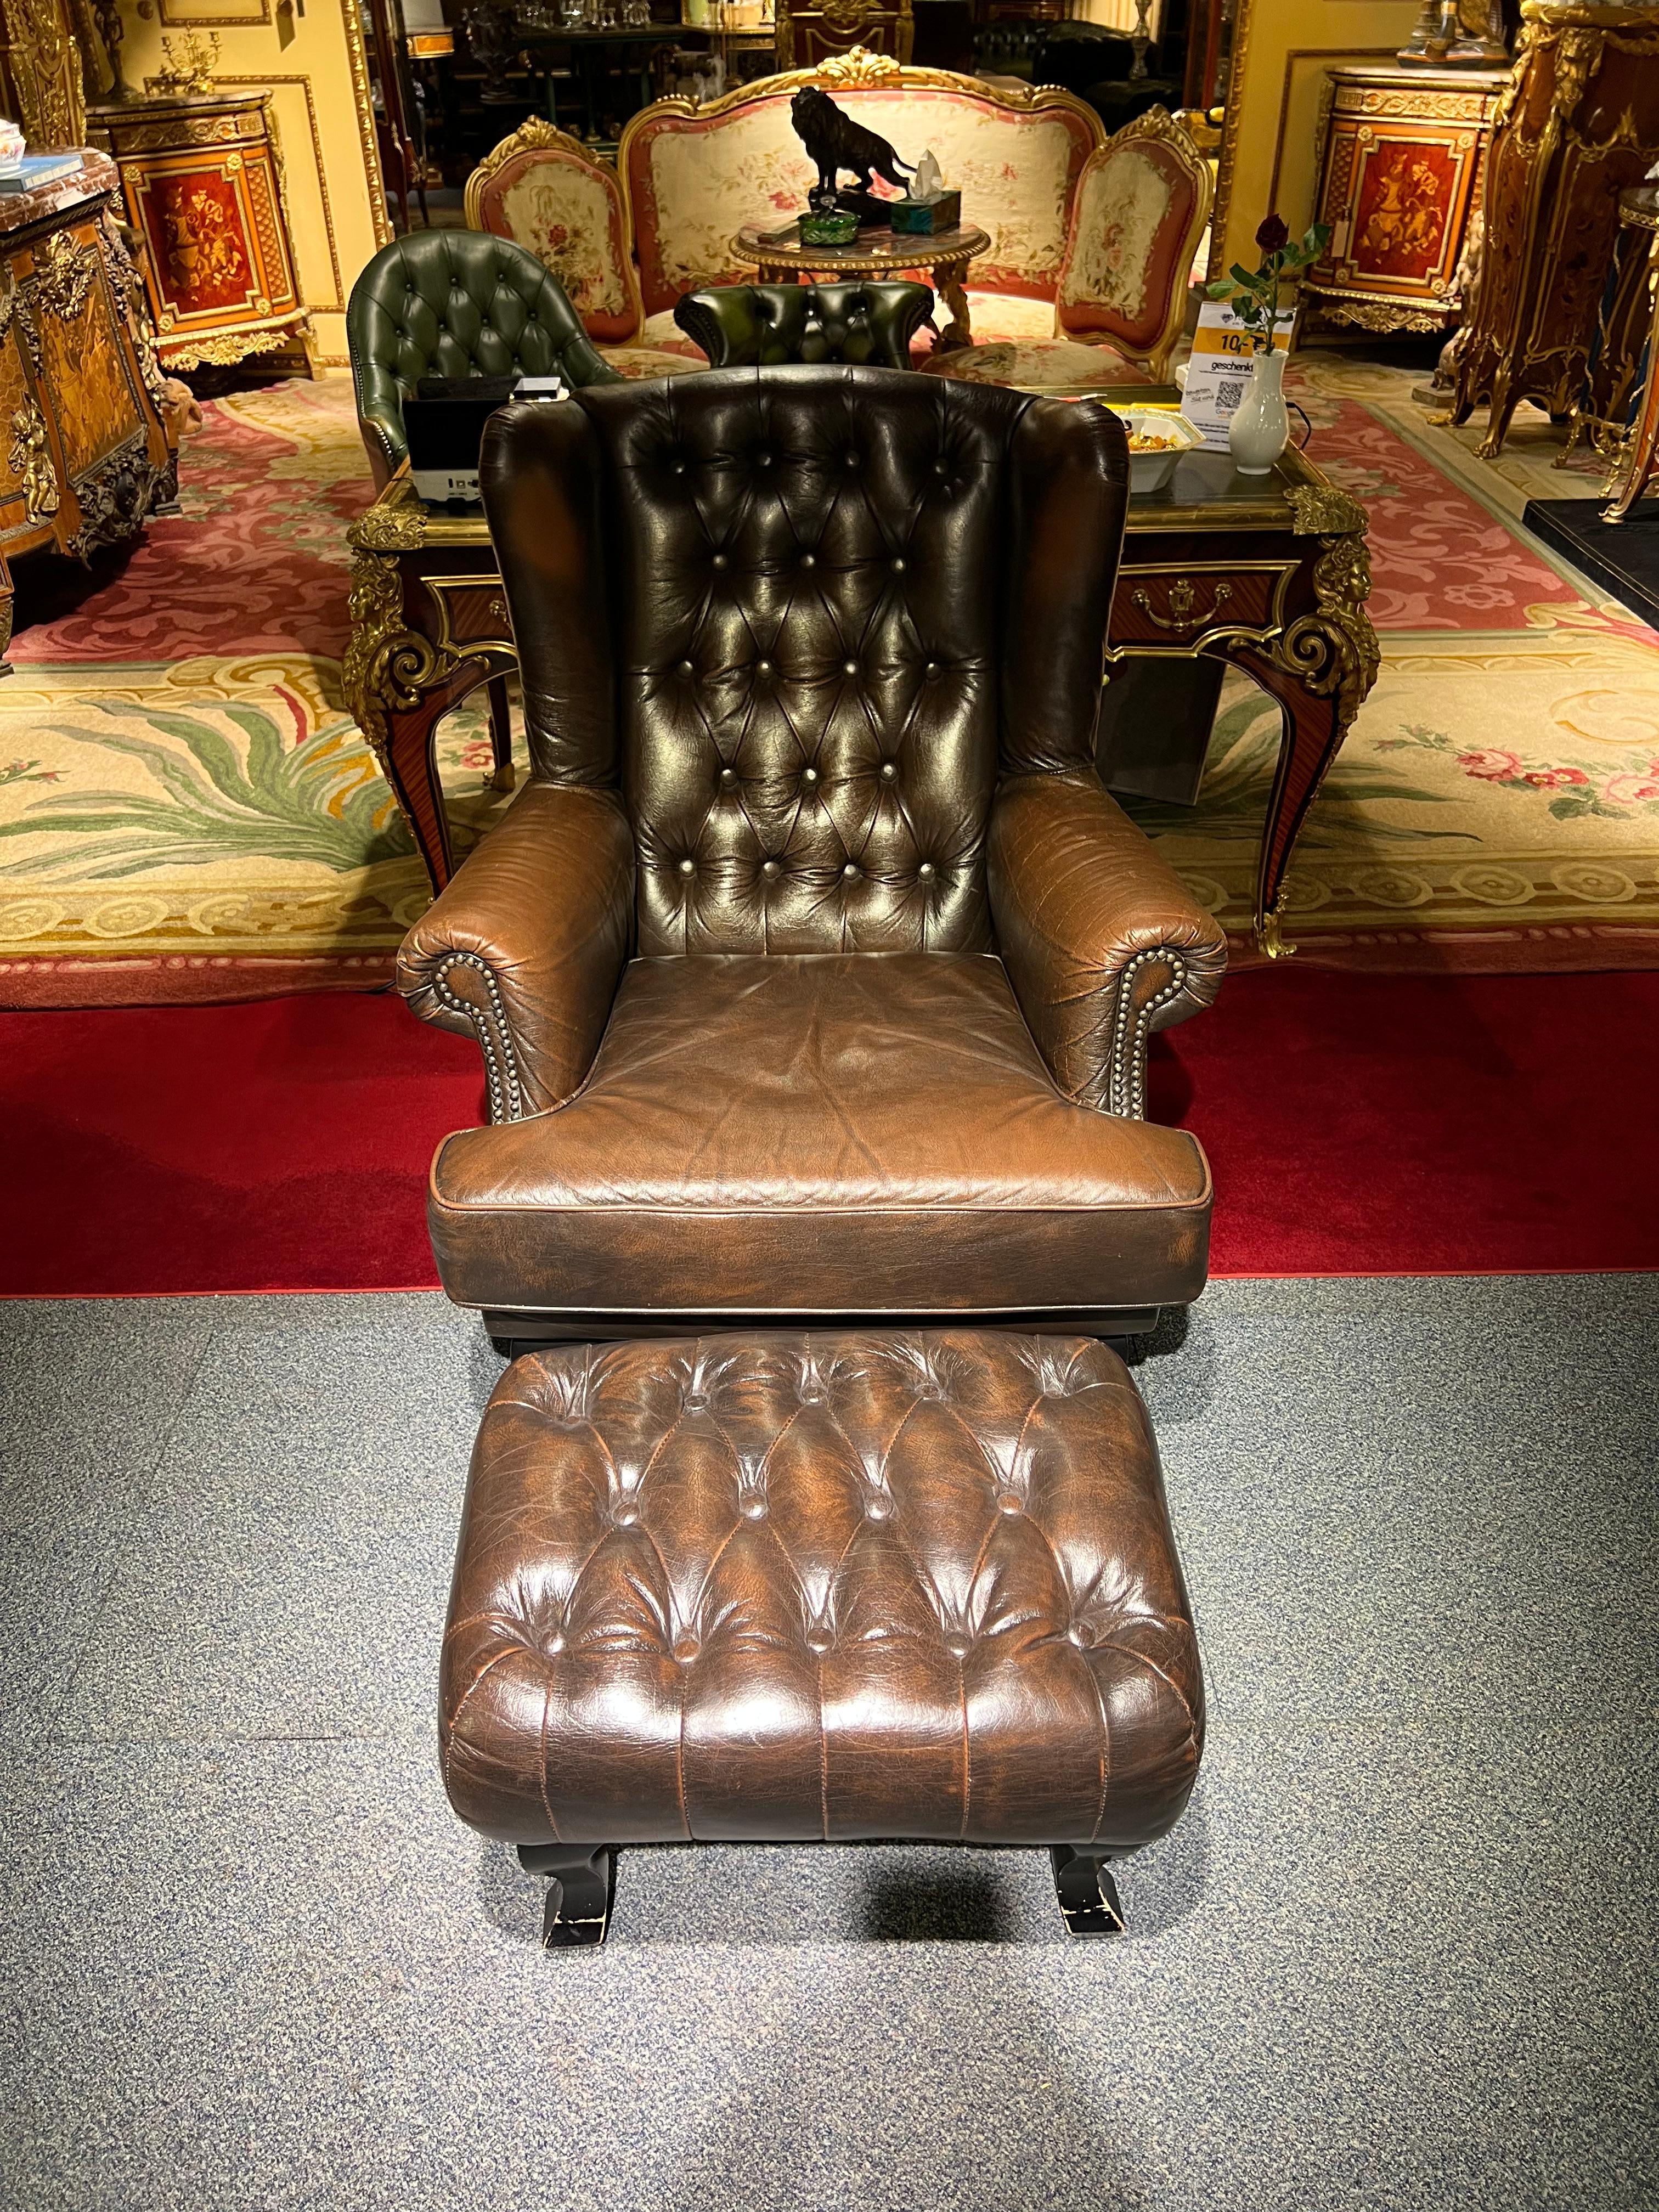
187	812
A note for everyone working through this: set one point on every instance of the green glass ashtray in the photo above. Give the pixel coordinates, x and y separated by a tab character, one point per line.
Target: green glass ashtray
836	227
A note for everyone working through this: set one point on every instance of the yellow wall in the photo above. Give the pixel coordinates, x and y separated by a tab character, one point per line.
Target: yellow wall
1271	141
311	58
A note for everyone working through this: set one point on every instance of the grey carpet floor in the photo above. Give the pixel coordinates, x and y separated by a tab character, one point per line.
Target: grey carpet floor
1400	1955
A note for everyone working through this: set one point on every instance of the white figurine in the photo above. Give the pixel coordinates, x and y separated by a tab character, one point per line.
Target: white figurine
926	184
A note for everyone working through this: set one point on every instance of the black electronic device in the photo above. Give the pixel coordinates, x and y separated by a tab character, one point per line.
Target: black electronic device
444	421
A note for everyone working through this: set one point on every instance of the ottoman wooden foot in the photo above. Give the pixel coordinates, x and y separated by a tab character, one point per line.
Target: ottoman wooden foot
1087	1893
578	1898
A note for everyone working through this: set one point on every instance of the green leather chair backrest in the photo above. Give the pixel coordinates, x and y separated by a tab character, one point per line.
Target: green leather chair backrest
455	303
762	325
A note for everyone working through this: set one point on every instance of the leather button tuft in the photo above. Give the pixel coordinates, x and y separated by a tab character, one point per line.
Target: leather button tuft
819	1640
1007	1503
958	1646
686	669
890	769
898	564
809	776
1075	1635
728	776
686	1649
626	1516
762	668
762	460
688	867
753	1509
809	560
926	870
850	667
719	561
695	1401
769	867
852	460
852	872
878	1510
553	1646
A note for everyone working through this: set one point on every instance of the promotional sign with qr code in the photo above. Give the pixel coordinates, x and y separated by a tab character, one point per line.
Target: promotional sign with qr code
1220	369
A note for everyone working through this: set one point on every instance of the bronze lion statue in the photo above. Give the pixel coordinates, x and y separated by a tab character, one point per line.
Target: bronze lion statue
833	142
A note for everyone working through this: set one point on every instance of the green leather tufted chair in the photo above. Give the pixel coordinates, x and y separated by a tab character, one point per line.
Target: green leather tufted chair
750	325
457	303
454	303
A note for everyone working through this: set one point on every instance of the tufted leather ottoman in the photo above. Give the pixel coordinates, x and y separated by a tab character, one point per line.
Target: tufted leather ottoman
801	1587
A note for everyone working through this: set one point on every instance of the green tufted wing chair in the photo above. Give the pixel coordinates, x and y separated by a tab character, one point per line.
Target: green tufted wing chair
454	303
765	326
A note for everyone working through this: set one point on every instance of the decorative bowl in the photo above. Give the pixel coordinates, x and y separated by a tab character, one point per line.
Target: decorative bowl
1150	471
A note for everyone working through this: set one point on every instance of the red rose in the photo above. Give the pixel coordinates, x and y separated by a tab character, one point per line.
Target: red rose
1274	234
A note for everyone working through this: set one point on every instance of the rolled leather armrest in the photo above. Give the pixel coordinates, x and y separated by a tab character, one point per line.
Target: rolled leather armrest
1101	941
525	947
382	428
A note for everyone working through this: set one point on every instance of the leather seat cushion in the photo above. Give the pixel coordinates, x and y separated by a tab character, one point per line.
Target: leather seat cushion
787	1134
788	1586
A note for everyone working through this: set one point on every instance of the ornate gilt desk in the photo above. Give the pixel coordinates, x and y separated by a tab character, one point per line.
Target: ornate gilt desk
84	457
1267	575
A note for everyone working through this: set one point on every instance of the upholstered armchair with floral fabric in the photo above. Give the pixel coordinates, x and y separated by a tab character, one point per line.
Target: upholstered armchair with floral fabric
1141	205
545	192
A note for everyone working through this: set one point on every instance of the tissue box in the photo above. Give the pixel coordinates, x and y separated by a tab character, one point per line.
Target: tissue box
921	218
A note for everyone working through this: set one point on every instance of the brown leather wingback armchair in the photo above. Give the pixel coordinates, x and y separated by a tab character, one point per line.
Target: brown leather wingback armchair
813	969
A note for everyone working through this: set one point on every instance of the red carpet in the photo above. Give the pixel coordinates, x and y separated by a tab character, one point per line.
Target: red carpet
1357	1125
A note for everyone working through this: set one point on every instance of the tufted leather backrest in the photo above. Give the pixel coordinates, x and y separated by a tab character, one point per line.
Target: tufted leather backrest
805	615
455	303
763	326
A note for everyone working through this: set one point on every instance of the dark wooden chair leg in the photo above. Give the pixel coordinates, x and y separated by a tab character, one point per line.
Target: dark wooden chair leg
500	735
1087	1893
583	1881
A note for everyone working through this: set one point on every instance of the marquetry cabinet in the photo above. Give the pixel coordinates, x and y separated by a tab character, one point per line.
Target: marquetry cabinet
1401	183
202	178
84	455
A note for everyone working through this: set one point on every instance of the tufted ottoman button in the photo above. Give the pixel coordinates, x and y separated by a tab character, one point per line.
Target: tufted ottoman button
688	867
926	870
733	1750
762	668
852	872
898	564
809	776
890	769
849	667
768	868
809	560
728	776
719	561
686	669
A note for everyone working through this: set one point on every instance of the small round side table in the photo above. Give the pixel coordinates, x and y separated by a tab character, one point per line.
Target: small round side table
874	254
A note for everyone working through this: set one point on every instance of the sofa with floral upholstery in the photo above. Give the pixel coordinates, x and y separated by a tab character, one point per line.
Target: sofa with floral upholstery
1087	235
